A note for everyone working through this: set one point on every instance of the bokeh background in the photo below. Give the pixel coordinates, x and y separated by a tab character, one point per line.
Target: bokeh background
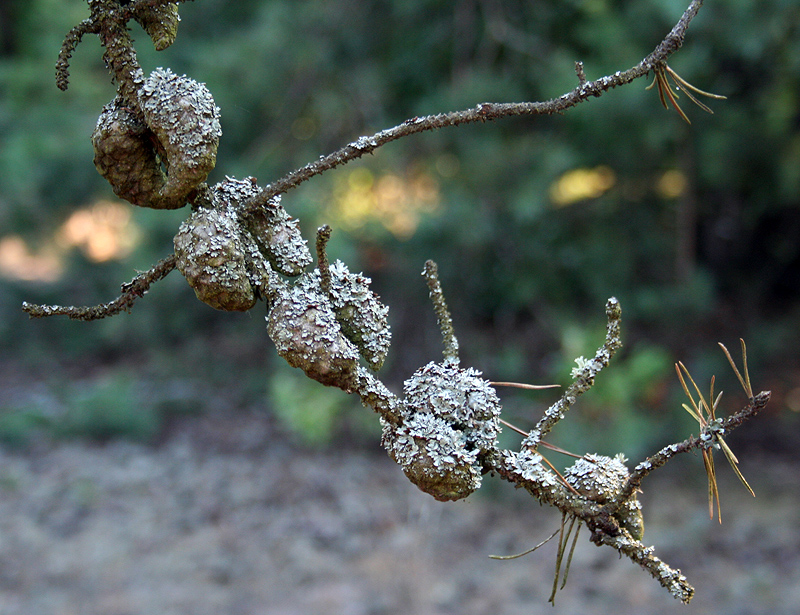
534	223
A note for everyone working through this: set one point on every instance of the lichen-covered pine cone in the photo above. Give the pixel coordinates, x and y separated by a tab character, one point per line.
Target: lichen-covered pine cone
178	127
364	319
305	332
212	257
125	156
601	479
450	418
278	236
184	119
275	232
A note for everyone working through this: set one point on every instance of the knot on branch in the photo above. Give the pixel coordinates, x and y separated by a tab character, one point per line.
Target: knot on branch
449	420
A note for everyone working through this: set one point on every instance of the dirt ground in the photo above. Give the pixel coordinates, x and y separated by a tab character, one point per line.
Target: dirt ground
226	516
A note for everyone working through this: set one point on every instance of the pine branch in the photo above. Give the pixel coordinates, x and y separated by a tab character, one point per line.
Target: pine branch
131	291
483	112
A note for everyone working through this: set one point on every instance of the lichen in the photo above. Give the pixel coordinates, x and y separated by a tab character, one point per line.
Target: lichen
211	256
362	316
184	119
602	479
449	418
274	230
304	329
434	456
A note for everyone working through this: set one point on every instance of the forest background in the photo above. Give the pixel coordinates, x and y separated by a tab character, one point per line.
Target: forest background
534	223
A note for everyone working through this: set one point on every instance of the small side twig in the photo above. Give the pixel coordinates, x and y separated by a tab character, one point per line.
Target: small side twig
583	376
671	579
71	41
431	274
580	72
753	407
323	236
131	291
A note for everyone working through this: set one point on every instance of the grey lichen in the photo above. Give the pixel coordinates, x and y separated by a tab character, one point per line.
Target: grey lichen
363	318
449	420
374	394
529	466
225	197
434	456
212	257
184	119
304	329
602	479
276	232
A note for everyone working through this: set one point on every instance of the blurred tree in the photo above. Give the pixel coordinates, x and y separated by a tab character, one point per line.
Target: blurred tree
665	216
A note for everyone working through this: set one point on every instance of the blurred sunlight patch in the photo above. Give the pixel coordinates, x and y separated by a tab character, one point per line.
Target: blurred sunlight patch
19	262
582	184
671	184
103	231
397	203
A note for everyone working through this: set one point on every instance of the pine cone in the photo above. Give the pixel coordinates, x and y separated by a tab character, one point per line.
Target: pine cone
160	23
304	329
211	257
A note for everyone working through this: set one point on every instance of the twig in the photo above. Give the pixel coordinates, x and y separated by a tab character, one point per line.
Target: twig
481	113
131	291
323	236
102	16
753	407
584	378
671	579
449	339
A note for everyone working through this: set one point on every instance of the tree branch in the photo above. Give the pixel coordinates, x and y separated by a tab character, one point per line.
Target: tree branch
131	291
444	429
481	113
365	145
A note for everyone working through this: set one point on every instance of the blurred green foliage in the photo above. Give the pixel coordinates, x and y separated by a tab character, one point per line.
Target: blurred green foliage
109	406
711	253
314	414
112	406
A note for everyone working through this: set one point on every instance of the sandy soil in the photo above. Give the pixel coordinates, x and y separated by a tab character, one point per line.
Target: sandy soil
226	516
